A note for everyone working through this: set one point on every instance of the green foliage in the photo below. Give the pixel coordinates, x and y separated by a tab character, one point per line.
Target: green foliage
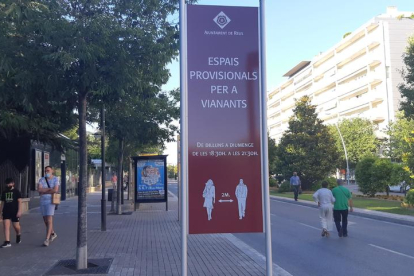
407	88
398	132
409	198
359	139
284	187
32	101
272	182
331	183
172	171
374	174
346	34
400	174
307	147
272	149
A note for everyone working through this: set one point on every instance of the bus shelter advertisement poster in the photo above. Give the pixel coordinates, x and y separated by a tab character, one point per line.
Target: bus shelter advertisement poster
224	141
150	180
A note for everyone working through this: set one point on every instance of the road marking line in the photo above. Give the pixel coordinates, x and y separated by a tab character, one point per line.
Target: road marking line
388	222
273	215
310	226
254	254
392	251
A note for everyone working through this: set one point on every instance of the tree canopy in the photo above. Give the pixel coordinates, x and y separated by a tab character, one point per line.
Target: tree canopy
307	147
359	138
407	88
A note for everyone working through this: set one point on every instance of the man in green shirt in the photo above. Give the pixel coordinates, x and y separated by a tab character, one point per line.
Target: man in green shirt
343	197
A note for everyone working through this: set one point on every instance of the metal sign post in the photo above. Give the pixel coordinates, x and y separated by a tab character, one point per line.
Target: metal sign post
183	135
265	158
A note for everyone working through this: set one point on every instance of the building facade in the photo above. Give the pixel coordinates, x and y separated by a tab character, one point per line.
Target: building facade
358	77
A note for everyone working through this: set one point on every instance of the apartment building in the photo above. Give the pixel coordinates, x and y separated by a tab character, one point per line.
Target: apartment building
358	77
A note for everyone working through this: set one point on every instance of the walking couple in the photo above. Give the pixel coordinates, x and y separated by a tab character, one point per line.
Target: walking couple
341	197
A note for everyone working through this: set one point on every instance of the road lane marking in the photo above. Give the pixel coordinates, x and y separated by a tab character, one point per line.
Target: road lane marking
257	257
392	251
310	226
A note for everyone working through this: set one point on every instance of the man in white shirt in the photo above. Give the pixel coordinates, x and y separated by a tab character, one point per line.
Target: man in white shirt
325	199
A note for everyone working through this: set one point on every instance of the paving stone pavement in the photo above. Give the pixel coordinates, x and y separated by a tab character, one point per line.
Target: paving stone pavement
146	243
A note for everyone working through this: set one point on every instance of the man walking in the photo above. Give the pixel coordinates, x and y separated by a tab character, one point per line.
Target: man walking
241	195
295	183
324	198
11	201
343	199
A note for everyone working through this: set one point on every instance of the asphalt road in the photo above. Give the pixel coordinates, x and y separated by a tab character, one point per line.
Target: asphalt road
373	247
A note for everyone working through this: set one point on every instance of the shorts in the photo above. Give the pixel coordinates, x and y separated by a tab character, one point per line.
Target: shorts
47	209
11	217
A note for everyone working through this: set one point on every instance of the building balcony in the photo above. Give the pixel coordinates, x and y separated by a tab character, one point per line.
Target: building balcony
351	67
358	103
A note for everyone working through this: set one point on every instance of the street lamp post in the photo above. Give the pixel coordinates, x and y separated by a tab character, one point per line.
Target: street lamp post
343	145
346	154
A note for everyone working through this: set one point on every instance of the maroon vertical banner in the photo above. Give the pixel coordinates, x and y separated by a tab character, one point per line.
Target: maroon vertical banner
224	151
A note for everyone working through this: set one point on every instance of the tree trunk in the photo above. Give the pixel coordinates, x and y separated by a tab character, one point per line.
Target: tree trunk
120	174
81	249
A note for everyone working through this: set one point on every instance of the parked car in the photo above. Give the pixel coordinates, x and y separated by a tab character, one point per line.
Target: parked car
399	188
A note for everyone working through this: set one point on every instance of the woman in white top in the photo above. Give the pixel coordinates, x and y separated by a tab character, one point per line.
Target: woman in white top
325	199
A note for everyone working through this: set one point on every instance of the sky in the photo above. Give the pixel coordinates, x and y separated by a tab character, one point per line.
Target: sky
297	30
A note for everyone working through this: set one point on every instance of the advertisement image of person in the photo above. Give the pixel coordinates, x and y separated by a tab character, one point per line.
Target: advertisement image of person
150	175
209	195
241	195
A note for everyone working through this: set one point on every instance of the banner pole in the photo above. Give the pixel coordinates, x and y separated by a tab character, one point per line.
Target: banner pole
265	159
183	135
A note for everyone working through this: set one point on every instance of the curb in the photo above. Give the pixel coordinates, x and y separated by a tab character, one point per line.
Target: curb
357	212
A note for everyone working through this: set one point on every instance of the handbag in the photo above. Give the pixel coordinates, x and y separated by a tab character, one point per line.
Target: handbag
55	196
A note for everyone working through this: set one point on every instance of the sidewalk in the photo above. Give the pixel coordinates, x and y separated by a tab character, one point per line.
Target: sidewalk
147	242
394	218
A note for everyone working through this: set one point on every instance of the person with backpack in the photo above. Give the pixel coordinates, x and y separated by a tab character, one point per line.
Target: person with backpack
343	201
11	201
48	186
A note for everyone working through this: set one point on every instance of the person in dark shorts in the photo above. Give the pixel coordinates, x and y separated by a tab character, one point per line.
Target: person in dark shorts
11	201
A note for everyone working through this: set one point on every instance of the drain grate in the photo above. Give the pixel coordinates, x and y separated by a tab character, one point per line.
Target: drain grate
68	267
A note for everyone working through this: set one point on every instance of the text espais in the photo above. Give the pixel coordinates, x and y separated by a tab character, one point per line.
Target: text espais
224	75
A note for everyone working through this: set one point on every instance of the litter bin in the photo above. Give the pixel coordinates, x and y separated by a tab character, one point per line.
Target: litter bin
110	192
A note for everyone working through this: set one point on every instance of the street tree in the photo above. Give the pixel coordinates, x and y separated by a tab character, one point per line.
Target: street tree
33	103
407	105
307	147
136	121
398	132
359	139
407	87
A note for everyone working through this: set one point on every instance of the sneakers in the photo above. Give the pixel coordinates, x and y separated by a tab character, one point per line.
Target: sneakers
18	239
46	243
53	237
325	233
6	244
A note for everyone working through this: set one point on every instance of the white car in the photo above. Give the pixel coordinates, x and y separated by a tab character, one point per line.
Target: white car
399	188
